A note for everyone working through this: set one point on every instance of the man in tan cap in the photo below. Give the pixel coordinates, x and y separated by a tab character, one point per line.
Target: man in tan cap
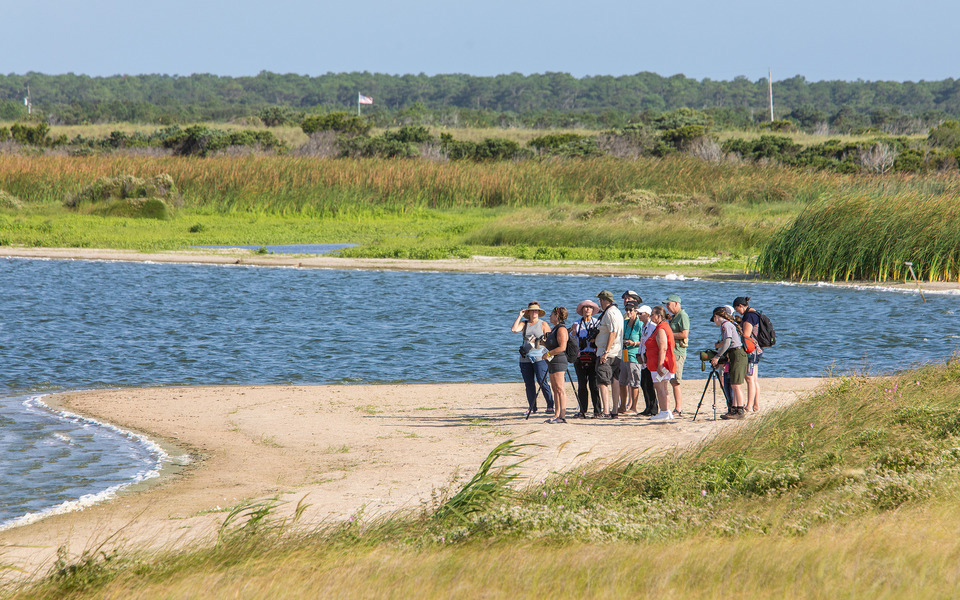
680	325
609	345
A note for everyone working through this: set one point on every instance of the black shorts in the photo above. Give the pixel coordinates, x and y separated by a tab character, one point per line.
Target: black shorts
608	371
558	364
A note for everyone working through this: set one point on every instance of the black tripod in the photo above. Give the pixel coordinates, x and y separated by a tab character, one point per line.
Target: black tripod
715	378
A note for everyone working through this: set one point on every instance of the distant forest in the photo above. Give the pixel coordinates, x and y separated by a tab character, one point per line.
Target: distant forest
541	100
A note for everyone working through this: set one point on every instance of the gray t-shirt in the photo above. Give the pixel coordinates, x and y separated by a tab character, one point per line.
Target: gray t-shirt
729	330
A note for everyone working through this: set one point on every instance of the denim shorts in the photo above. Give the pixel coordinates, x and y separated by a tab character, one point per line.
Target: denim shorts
754	358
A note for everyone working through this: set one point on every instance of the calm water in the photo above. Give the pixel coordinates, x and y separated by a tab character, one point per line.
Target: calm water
85	324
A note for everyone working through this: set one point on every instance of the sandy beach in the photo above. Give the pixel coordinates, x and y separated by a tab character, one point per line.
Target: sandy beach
345	450
475	264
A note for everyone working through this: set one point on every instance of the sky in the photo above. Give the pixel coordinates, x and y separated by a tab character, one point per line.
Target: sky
818	39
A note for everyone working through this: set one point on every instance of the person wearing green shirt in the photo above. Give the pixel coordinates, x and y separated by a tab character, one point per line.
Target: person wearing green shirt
630	367
680	325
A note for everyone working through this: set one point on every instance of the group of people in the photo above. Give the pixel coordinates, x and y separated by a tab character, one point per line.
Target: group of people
642	350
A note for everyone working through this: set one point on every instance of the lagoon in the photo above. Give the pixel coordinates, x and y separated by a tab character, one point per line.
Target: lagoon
71	324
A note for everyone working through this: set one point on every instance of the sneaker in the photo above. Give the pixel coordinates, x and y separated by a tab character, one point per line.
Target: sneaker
663	415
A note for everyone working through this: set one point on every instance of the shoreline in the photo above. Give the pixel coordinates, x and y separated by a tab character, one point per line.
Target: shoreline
476	264
345	450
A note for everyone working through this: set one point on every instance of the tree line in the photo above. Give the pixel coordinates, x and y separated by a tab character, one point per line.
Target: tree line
539	100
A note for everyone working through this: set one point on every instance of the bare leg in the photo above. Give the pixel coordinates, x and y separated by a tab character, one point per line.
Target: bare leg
663	395
677	395
623	399
559	394
605	397
753	389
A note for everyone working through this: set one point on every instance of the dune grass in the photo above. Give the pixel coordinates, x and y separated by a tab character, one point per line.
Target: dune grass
849	493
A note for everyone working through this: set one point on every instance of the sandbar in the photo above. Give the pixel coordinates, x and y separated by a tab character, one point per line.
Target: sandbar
349	451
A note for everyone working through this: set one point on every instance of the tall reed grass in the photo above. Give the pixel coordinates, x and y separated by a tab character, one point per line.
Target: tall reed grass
326	186
869	235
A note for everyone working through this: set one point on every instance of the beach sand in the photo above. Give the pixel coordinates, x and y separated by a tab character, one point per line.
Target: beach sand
476	264
344	450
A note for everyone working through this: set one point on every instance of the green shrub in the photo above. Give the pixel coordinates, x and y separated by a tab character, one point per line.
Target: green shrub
9	201
33	136
4	134
107	189
945	135
135	208
339	122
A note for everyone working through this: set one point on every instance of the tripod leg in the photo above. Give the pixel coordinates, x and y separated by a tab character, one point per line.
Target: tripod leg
703	395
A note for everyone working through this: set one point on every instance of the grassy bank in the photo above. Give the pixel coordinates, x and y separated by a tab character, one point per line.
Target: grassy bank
607	209
850	493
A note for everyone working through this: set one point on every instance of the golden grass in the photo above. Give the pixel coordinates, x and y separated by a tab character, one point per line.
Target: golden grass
911	553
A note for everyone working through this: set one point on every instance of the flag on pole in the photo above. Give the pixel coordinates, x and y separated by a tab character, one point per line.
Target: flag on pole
365	99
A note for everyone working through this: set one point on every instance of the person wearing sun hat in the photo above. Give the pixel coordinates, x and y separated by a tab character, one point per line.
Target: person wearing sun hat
586	363
533	367
680	326
609	344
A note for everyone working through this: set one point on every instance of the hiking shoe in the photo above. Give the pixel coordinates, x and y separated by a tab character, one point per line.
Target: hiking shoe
735	413
663	415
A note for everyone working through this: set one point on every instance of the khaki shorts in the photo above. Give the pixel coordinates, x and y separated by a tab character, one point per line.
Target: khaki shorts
681	358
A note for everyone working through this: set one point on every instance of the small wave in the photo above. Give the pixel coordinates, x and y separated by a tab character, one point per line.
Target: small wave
37	403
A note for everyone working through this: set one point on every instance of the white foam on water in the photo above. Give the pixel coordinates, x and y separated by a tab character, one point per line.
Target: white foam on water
36	402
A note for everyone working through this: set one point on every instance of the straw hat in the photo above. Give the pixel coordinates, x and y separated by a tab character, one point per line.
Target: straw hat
535	306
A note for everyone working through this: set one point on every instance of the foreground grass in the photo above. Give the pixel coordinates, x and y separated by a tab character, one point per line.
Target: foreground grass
850	493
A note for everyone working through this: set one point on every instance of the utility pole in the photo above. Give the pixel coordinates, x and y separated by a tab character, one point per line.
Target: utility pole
770	91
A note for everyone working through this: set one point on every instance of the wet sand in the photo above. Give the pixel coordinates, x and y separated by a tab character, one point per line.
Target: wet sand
344	450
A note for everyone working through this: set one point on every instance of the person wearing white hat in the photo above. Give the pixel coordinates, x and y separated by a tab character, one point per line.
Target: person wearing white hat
646	381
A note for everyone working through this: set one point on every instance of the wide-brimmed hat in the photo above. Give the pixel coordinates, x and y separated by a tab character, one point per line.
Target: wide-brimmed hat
586	303
606	295
673	298
535	306
632	294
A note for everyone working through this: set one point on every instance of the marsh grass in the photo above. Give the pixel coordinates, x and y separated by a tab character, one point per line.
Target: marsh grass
850	493
870	235
607	209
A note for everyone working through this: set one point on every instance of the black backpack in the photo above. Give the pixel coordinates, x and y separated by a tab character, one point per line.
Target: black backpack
573	346
766	336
